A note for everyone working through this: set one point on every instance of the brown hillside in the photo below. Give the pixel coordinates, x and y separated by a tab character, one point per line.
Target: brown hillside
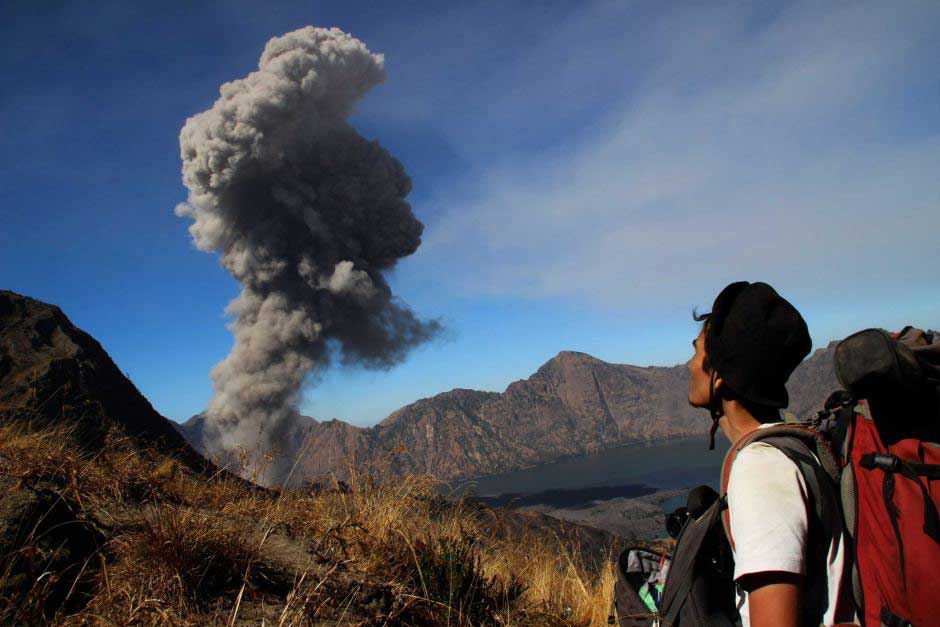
52	372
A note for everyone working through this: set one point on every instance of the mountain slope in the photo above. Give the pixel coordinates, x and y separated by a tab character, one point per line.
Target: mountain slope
98	525
573	404
53	372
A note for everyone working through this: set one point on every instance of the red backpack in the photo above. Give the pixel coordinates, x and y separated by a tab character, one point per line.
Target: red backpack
879	461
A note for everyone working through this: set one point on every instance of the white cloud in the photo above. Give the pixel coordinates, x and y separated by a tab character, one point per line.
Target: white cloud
745	147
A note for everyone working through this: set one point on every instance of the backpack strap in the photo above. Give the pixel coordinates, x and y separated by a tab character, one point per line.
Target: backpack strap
892	464
812	442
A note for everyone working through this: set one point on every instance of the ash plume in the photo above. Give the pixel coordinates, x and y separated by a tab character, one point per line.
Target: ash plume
308	216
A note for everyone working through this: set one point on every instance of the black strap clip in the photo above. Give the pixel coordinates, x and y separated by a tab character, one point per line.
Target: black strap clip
890	619
887	463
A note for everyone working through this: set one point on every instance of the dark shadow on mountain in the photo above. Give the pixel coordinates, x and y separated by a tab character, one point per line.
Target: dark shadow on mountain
682	476
568	499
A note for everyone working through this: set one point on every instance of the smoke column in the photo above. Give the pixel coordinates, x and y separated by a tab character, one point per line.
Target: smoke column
307	216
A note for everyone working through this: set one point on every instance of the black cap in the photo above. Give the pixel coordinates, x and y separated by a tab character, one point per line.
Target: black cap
755	340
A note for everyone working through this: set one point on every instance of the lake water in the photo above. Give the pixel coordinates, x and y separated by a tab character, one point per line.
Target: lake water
635	467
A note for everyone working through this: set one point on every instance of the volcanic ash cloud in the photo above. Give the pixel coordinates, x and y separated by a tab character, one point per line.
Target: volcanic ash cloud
308	216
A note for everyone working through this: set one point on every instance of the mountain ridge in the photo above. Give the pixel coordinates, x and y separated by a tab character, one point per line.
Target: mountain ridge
573	404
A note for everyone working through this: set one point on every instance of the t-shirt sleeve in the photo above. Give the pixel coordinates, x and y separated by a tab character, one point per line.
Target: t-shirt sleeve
767	504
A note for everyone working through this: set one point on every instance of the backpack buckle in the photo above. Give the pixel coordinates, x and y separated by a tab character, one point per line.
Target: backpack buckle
887	463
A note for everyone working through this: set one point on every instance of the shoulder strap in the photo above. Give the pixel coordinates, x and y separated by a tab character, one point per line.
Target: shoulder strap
804	442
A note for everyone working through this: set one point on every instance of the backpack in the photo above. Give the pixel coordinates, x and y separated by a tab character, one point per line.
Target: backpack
890	482
634	603
872	453
706	590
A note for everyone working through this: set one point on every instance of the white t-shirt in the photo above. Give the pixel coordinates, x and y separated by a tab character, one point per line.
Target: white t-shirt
768	502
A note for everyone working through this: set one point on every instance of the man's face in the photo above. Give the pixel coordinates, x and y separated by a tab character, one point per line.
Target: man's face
699	378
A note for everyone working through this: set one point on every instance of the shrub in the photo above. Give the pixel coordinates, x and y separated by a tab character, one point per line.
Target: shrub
451	574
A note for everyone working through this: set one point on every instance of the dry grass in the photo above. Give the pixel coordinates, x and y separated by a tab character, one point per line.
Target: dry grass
163	546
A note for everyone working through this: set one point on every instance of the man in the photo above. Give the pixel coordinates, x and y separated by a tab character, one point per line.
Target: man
748	346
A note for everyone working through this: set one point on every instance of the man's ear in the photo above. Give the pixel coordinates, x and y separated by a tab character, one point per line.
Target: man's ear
718	385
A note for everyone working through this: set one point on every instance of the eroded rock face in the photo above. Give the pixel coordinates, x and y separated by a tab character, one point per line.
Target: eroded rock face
573	404
51	371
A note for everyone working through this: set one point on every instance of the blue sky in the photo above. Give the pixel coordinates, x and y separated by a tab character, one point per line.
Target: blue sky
587	173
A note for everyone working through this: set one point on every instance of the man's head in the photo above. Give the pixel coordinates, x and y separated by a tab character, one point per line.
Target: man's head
748	346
